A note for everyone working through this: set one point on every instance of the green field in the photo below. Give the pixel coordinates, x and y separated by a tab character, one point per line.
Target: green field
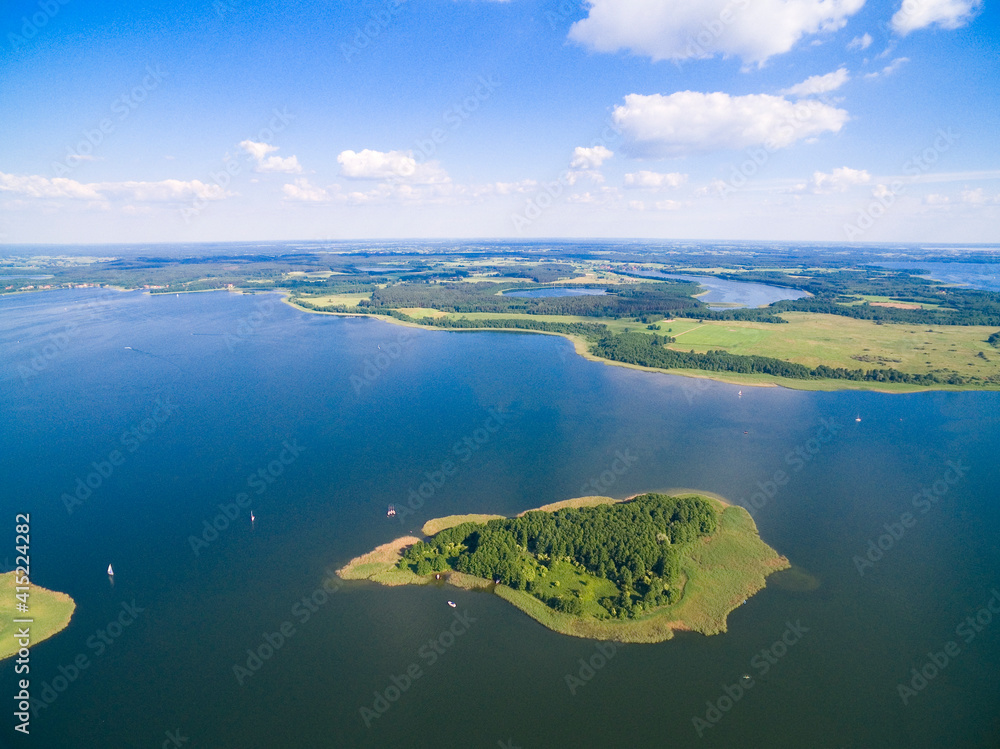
51	612
836	341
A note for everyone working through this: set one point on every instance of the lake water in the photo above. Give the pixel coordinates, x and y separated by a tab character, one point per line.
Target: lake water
723	293
978	275
544	293
248	382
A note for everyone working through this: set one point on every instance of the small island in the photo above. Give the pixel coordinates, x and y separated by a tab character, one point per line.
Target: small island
633	570
50	611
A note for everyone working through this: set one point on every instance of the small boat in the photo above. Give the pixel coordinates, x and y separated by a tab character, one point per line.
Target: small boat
252	518
739	394
111	570
451	603
859	418
391	511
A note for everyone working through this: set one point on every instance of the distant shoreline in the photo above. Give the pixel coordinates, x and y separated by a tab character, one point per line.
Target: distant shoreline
50	610
763	380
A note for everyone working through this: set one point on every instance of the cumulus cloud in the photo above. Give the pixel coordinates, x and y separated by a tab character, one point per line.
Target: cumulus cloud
889	69
390	165
168	190
654	180
818	84
259	153
689	122
753	30
979	197
948	14
303	191
839	180
859	43
589	158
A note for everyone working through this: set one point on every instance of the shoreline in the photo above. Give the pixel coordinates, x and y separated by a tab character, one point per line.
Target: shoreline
580	346
720	573
51	611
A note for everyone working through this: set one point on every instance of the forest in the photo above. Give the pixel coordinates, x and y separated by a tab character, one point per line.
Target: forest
636	545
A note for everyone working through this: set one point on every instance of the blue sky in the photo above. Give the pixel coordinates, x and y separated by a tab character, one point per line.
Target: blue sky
826	120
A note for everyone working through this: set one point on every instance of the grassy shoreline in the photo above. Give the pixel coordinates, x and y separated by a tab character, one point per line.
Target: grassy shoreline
581	347
50	610
721	572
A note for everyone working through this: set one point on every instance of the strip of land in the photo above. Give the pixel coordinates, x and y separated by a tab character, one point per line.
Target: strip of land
50	611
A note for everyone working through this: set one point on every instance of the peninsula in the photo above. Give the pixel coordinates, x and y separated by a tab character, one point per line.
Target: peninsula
634	570
49	610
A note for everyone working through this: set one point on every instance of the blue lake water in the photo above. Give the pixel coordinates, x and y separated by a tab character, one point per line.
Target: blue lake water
734	293
556	292
977	275
242	383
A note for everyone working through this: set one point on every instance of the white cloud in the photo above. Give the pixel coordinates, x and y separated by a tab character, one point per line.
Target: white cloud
390	165
717	188
979	197
860	42
839	180
753	30
34	186
259	153
889	69
668	205
948	14
654	180
305	192
168	190
689	122
589	158
818	84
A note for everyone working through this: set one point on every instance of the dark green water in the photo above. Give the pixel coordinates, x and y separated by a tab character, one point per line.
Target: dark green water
246	375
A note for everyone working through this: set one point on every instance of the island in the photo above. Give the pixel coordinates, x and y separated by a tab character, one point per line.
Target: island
49	611
633	570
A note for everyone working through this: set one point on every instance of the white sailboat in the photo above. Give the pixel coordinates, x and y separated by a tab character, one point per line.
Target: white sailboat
111	570
252	518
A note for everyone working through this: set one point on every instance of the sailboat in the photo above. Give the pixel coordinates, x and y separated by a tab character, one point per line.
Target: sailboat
859	418
391	511
739	394
252	518
111	570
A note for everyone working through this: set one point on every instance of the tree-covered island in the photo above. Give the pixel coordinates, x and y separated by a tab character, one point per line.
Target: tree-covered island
630	571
